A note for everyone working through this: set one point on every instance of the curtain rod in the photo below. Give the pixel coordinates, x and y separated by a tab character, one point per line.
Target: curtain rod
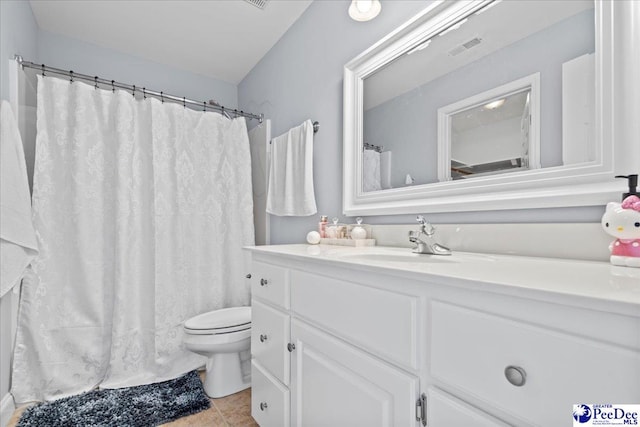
133	88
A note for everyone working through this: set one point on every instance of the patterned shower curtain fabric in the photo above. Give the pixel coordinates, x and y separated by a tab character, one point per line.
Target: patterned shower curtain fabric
141	210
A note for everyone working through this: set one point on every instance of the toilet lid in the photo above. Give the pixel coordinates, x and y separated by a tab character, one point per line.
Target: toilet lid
220	321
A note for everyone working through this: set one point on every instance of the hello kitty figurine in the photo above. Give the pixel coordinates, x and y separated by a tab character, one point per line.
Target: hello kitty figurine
622	221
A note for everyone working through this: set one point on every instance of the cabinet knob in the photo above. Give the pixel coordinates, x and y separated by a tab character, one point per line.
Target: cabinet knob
515	375
248	276
263	406
291	346
264	282
263	337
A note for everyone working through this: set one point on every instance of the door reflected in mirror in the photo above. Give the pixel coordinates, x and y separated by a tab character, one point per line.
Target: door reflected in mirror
492	138
493	132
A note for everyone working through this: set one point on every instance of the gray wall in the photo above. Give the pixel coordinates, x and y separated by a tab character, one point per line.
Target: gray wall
301	77
73	54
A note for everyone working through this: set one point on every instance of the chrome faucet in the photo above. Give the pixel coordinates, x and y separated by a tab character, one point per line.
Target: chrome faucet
426	245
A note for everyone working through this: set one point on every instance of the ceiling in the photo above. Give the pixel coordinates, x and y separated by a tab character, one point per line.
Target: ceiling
223	39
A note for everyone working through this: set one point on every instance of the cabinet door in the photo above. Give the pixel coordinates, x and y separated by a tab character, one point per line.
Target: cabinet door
335	384
445	410
269	338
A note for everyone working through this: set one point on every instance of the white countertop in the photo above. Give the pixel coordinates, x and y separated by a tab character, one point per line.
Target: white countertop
599	281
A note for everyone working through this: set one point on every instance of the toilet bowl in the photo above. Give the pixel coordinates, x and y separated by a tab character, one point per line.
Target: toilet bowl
221	335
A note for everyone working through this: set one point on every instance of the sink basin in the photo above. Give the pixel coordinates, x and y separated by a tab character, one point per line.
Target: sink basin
395	257
380	255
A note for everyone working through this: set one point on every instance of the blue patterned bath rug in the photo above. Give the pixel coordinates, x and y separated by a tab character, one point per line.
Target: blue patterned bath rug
141	406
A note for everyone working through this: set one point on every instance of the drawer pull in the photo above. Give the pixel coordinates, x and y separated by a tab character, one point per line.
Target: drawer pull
264	282
291	346
263	406
263	337
515	375
248	276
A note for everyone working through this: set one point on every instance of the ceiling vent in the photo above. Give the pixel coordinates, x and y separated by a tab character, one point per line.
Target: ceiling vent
465	46
260	4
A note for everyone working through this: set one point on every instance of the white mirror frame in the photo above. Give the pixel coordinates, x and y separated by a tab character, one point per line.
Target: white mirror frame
587	184
531	82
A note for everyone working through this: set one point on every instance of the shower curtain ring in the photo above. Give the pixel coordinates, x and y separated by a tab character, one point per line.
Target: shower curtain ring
95	81
133	92
204	106
162	97
71	76
43	70
184	102
144	93
113	86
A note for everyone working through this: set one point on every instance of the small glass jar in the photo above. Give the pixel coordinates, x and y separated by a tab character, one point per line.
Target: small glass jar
336	230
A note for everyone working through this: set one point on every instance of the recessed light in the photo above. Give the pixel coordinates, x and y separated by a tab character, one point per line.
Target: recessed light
364	10
494	104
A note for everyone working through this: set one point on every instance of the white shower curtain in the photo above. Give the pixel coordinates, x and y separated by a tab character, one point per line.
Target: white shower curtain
141	210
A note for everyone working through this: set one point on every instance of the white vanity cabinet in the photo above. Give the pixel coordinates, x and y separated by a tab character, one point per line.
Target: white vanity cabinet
339	342
331	353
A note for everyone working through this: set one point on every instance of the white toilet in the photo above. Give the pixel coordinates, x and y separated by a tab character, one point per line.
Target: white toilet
221	335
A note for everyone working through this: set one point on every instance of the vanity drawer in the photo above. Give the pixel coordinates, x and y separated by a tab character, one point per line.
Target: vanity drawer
474	352
270	331
269	399
270	283
380	321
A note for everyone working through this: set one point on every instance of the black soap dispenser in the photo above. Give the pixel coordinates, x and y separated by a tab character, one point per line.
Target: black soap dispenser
633	183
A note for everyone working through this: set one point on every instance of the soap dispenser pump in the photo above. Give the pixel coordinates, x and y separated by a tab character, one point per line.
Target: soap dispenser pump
633	184
622	221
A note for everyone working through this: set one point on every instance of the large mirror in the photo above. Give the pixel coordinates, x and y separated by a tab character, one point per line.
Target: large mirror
501	100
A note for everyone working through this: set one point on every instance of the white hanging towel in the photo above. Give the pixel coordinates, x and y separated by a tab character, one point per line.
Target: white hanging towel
18	243
290	191
371	171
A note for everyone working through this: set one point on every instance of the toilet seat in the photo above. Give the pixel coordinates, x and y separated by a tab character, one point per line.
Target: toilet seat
217	322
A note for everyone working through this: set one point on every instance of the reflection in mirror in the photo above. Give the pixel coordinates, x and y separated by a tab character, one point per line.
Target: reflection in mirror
503	42
493	132
492	138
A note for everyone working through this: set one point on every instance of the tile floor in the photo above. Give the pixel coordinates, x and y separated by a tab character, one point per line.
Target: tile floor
229	411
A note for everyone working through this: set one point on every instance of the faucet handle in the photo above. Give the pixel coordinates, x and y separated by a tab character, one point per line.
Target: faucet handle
429	229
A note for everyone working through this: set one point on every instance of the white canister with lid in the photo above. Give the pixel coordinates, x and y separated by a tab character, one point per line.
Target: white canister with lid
358	232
